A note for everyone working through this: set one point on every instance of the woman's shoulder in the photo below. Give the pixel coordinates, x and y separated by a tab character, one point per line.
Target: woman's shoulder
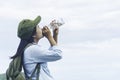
33	47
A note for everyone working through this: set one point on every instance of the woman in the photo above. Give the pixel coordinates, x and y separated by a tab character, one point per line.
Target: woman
30	33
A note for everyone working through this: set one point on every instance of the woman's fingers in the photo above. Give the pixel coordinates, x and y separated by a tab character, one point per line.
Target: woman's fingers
45	28
56	31
46	31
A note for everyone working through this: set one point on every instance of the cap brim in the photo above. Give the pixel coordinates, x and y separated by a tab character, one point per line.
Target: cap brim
37	20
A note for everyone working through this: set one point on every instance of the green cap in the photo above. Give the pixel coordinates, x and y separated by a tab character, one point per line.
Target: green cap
26	27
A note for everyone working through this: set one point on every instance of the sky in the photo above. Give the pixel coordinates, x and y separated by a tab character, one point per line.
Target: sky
90	37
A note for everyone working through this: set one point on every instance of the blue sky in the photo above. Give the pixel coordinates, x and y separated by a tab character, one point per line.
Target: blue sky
90	37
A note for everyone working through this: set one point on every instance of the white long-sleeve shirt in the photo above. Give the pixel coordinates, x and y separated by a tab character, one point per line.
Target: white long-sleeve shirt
36	54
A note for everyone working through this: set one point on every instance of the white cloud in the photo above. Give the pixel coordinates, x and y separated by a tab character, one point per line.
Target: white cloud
94	60
90	37
107	47
92	15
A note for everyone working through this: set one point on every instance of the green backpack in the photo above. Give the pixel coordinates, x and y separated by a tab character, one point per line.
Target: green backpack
15	67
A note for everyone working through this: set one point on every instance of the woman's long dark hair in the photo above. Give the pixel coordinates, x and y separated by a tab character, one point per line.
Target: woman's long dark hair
23	44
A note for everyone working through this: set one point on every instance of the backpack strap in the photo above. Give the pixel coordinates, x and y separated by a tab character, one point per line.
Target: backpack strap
38	71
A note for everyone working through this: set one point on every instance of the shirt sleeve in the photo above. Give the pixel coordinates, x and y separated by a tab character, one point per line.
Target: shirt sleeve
37	54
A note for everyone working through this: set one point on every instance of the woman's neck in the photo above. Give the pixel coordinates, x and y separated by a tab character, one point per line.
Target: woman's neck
36	41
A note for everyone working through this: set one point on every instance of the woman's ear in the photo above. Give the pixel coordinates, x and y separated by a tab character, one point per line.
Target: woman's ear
34	36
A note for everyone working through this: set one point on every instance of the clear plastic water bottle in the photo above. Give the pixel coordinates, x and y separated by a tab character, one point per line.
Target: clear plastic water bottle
56	23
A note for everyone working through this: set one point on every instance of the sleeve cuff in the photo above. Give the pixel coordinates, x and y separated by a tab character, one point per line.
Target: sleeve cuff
53	47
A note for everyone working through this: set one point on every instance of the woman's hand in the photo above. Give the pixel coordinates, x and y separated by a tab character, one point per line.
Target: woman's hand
55	34
46	32
56	31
